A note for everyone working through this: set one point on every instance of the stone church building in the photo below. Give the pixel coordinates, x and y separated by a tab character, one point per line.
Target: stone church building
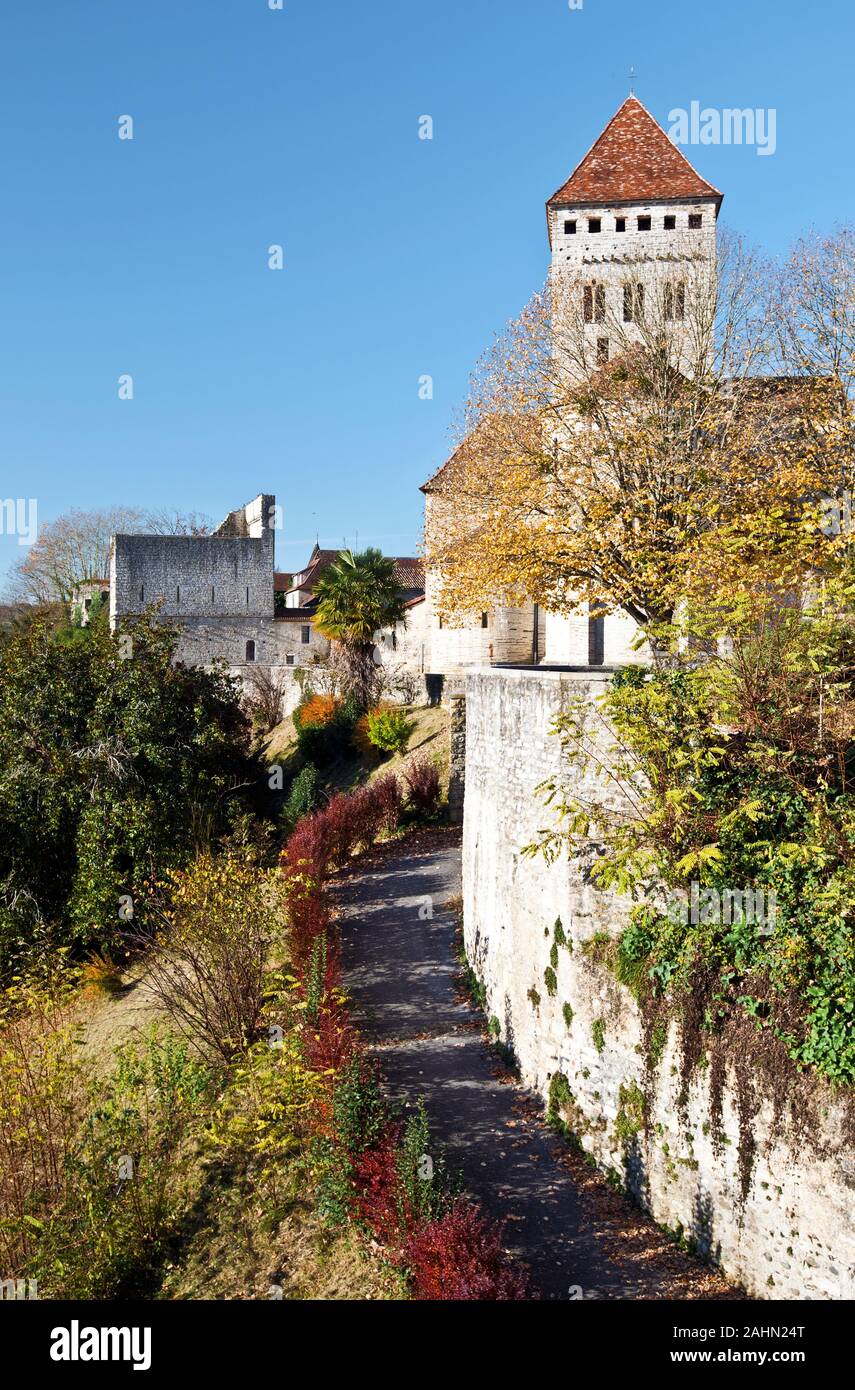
633	220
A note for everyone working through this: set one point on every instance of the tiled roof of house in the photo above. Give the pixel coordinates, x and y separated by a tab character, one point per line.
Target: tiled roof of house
409	572
282	582
632	161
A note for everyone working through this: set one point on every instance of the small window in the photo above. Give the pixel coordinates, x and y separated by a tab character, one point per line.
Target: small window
696	221
178	593
602	350
570	228
250	651
212	593
87	604
595	224
247	596
670	222
440	620
394	641
644	224
620	224
305	634
142	592
485	620
289	658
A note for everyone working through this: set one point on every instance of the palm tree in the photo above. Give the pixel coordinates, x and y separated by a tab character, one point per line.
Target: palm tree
356	596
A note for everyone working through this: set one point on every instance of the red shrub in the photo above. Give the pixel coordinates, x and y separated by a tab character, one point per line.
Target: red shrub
367	814
460	1256
311	847
328	1044
422	779
338	818
309	918
377	1191
389	798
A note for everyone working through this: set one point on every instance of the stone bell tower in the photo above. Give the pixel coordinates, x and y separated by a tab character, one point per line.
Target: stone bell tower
633	238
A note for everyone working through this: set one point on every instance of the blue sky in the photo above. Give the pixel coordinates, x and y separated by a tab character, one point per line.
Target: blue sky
403	257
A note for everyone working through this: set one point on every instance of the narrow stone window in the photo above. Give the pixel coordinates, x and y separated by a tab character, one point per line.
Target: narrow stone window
696	221
142	593
485	620
306	634
212	593
675	301
250	651
644	224
595	224
247	596
602	350
289	658
178	593
620	224
670	222
594	303
633	303
570	228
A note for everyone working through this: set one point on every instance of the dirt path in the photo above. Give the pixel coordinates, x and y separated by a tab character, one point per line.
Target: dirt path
563	1221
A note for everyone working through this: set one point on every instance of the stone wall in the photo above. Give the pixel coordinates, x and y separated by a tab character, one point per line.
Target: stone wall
779	1224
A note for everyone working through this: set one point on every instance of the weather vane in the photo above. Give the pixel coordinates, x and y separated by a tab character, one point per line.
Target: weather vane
632	81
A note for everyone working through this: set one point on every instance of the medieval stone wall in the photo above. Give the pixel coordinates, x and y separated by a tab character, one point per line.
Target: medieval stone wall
779	1223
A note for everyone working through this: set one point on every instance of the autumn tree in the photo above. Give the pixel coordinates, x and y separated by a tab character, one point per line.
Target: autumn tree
619	483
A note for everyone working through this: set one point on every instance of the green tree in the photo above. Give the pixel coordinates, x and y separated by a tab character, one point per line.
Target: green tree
115	764
357	596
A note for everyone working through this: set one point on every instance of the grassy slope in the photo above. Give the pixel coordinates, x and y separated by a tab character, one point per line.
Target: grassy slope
429	739
229	1250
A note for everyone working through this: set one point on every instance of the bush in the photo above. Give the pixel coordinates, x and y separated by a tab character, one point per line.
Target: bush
130	1177
460	1256
310	849
304	794
422	779
266	692
110	765
264	1120
317	711
209	965
390	730
43	1087
389	797
324	727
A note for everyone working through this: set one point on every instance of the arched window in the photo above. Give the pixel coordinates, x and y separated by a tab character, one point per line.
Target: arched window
250	651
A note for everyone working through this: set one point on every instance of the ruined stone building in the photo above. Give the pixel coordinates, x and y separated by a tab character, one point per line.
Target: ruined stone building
230	603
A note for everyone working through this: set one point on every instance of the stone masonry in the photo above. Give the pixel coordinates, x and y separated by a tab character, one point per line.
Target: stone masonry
788	1235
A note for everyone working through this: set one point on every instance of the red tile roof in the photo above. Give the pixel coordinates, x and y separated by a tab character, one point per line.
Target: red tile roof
633	161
